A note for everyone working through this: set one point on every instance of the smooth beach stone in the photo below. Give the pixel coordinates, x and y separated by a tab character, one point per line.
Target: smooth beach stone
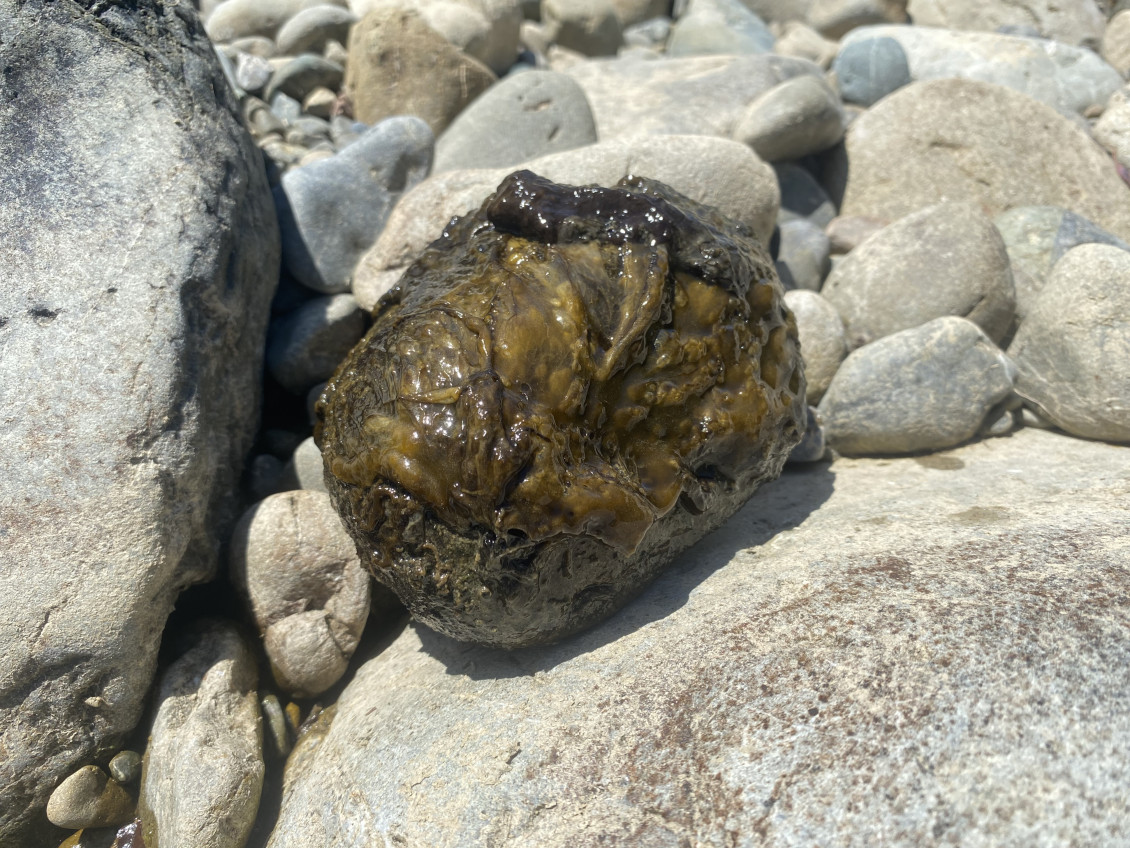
284	107
309	30
801	41
89	798
1075	22
1112	129
305	346
946	259
802	196
517	119
651	33
813	447
252	73
633	12
320	103
299	574
714	171
125	766
589	27
203	772
803	256
304	469
308	131
926	388
243	18
708	27
567	388
1073	346
331	212
846	232
1069	79
398	65
798	117
871	68
304	73
965	140
1116	42
836	18
822	341
488	32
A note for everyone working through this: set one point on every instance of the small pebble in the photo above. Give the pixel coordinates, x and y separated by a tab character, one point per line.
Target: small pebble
589	27
310	29
710	27
305	347
320	103
276	724
89	798
803	259
125	767
800	116
870	69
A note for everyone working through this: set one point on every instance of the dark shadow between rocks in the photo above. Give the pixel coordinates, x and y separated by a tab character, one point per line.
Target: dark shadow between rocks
776	507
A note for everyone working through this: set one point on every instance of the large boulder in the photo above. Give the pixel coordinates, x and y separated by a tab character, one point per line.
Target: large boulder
1069	21
910	651
140	251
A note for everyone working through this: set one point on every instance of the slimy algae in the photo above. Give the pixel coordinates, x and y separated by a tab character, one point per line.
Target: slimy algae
566	389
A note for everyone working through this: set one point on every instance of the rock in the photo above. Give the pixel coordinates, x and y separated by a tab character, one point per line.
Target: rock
304	469
1112	129
252	73
868	69
803	258
517	119
299	573
307	132
697	95
1078	22
306	345
1116	42
714	171
754	676
398	65
651	34
709	27
203	769
846	233
235	19
1072	347
798	117
320	103
492	40
922	389
971	141
88	798
138	271
802	196
835	18
256	45
330	212
284	107
822	342
125	767
303	74
946	259
588	26
468	481
1069	79
812	448
309	30
632	12
801	41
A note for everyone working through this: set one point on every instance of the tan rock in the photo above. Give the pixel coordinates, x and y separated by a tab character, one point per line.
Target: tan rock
1116	42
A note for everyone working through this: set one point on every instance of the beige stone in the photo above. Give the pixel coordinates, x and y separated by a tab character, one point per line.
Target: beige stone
1116	42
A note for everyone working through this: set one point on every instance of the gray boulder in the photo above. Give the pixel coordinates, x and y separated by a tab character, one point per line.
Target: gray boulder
922	389
1073	347
140	252
909	651
946	259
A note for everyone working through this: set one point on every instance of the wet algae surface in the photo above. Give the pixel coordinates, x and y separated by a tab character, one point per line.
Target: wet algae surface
565	390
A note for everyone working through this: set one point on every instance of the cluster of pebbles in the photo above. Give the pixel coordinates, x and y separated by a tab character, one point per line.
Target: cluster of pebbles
941	184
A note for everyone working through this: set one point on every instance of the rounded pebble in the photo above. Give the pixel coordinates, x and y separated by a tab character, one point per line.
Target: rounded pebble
125	767
798	117
89	798
822	341
870	69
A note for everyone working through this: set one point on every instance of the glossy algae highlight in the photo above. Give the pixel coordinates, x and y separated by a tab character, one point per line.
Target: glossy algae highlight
566	389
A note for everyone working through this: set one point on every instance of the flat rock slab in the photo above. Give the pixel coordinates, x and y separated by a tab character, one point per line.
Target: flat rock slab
903	652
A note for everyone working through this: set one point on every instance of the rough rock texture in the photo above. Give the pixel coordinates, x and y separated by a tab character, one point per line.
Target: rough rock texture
922	389
90	798
1069	21
946	259
1073	347
1069	79
203	770
913	651
565	390
714	171
972	141
139	254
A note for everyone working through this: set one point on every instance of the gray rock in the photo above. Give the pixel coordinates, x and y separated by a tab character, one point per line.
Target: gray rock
868	69
650	33
260	120
309	30
822	341
125	767
632	12
866	654
710	170
256	45
304	468
798	117
332	211
138	270
1075	230
487	31
1112	129
812	447
801	41
846	233
709	27
1077	22
284	107
1116	42
589	27
203	771
696	95
1073	346
235	19
802	196
252	73
1069	79
922	389
303	74
946	259
307	131
298	570
517	119
306	345
264	476
89	798
803	258
972	141
835	18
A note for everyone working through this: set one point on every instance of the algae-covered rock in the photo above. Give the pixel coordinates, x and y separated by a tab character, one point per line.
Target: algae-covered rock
565	390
